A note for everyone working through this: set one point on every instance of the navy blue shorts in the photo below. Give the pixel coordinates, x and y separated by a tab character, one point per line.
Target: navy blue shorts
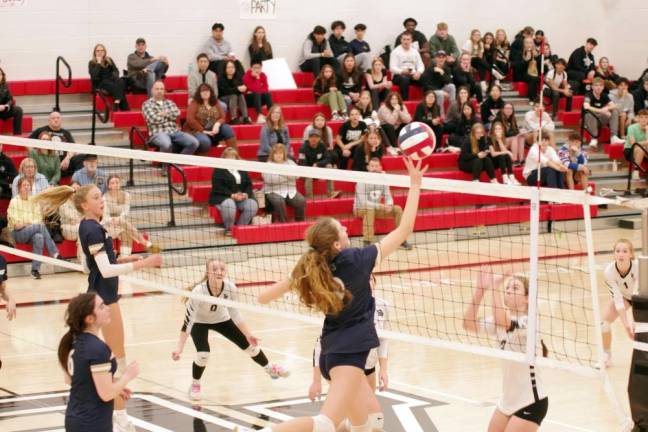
329	361
108	295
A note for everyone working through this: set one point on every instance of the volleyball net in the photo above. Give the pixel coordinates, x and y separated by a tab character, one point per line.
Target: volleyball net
463	230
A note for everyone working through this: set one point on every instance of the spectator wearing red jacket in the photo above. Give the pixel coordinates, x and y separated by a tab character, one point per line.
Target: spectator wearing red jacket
258	91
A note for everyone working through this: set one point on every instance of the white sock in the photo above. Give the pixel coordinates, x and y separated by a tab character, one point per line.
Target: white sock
121	414
195	381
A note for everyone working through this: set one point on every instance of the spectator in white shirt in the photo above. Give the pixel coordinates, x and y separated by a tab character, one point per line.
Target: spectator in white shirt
406	65
536	117
281	190
556	87
550	171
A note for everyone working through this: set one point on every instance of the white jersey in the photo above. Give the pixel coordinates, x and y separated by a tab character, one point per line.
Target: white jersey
522	384
622	286
380	317
207	313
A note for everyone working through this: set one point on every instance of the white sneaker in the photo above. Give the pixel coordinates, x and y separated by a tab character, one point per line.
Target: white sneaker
122	424
494	181
505	179
336	116
261	119
593	143
276	371
616	140
195	393
635	175
513	180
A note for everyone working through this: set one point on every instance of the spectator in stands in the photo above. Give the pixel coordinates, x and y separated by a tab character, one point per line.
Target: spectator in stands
116	218
26	224
377	82
428	111
463	76
474	158
90	174
281	190
70	162
501	155
202	75
501	55
70	216
406	65
161	115
144	69
581	65
259	48
419	41
367	112
393	117
314	153
550	170
474	47
338	44
47	161
575	159
232	91
454	110
536	119
550	59
7	174
599	110
514	136
370	148
442	41
232	191
326	133
349	136
438	77
316	52
8	107
350	81
556	86
105	77
206	120
274	131
326	92
220	51
258	91
492	105
625	105
37	181
538	38
516	53
375	201
637	134
463	128
606	72
640	96
360	48
489	57
530	66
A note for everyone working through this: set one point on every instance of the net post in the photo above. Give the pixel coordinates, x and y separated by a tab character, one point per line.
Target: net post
534	233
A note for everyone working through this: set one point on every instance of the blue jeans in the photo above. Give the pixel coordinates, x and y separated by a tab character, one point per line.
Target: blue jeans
154	72
227	208
38	236
225	132
166	141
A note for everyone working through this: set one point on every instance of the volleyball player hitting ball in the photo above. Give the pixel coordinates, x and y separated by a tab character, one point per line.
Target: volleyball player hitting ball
104	269
334	278
89	366
524	401
201	317
622	278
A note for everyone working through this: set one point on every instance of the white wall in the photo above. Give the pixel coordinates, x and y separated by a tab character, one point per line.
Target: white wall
34	32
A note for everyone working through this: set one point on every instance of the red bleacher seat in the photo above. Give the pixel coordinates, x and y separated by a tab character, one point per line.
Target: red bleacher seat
6	126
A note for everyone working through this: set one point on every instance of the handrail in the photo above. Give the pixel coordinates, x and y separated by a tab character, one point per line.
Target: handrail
173	188
102	116
132	133
59	79
584	128
632	163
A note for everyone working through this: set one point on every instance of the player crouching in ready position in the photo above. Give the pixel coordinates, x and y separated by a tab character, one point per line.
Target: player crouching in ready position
201	317
524	401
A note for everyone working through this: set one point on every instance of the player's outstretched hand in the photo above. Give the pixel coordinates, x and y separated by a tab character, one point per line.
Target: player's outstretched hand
414	170
126	393
630	331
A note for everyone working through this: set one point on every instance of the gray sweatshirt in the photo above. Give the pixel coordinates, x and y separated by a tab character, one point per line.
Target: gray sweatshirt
216	50
370	196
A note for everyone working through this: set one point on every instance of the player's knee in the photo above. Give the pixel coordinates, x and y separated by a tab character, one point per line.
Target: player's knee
366	427
252	351
377	421
322	423
606	326
202	357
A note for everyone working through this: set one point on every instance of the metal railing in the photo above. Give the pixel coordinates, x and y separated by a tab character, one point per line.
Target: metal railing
174	188
133	134
59	81
103	115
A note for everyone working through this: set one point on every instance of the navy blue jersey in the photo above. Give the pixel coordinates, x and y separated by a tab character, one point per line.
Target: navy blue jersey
85	410
95	239
353	330
3	269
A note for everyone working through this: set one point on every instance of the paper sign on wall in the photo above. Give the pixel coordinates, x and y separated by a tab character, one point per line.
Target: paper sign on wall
279	75
259	9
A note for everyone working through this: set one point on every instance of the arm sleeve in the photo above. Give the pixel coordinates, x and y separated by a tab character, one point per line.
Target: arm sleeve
317	350
110	270
307	50
174	111
394	63
126	206
564	159
383	348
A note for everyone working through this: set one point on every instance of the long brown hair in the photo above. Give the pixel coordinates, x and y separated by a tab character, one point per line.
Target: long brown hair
121	196
266	47
78	310
312	277
525	283
322	84
367	146
474	142
510	122
212	101
204	279
493	138
280	124
106	60
3	81
53	198
278	148
389	97
324	130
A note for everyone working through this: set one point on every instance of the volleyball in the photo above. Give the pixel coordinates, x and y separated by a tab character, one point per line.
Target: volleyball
417	140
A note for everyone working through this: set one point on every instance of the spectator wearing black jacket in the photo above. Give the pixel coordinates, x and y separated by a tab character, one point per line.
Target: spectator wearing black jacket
517	48
492	105
8	108
581	64
640	96
350	80
429	112
338	44
438	77
462	76
419	41
463	126
231	90
7	173
105	76
474	158
314	153
371	147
